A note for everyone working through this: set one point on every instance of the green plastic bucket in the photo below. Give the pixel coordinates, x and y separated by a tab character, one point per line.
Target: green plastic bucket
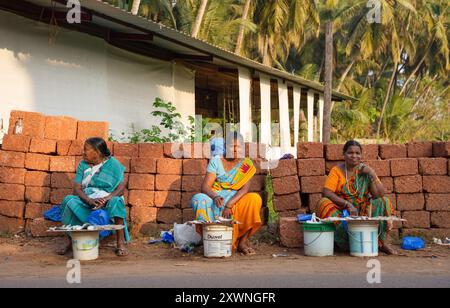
318	239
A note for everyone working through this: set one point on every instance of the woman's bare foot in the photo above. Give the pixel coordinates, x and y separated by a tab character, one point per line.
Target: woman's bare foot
389	250
66	249
245	248
121	250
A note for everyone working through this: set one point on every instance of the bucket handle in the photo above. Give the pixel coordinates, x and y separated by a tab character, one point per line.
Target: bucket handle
315	240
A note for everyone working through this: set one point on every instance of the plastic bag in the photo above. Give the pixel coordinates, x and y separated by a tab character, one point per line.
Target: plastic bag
100	218
53	214
185	235
413	243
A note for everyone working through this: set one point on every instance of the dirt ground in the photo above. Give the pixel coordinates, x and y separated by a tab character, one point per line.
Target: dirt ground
24	257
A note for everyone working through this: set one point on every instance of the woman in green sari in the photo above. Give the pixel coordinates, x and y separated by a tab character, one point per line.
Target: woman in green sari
99	184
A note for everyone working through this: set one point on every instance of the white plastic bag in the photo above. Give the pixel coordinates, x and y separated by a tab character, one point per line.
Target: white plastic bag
186	234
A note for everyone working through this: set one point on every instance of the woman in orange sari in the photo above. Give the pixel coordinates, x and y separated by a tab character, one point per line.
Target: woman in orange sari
225	193
355	187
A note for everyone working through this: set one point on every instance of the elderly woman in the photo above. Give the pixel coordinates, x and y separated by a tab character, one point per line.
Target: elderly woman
99	184
225	193
355	187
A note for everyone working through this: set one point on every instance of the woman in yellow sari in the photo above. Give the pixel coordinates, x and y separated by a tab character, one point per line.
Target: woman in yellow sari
355	187
225	193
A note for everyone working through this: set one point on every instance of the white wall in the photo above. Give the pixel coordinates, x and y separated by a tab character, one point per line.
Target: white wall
81	76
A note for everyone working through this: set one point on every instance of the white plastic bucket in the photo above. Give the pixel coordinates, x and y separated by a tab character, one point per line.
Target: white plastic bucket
363	238
85	245
217	241
318	240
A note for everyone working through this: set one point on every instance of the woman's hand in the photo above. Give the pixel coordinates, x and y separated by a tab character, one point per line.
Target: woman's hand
219	201
364	169
101	203
227	213
352	209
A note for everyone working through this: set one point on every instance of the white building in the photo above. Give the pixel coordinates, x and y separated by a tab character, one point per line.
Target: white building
112	66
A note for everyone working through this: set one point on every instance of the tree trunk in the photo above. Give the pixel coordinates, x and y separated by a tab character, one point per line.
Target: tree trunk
198	21
240	39
328	82
386	99
414	72
266	59
135	7
345	74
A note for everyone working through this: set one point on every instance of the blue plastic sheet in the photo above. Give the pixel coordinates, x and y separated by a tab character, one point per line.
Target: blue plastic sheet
54	214
100	218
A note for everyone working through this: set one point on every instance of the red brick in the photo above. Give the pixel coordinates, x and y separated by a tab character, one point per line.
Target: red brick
440	219
313	184
194	166
314	202
63	147
125	161
310	150
126	150
311	167
200	150
441	149
33	123
151	150
141	182
433	166
410	202
173	150
169	166
43	146
38	162
437	202
388	151
192	183
37	178
63	180
436	184
286	167
170	199
12	159
169	216
293	213
287	203
286	185
388	184
60	128
57	195
408	184
88	130
11	225
16	143
334	152
76	148
402	167
140	215
262	166
143	165
420	149
39	227
331	164
371	152
188	150
257	183
37	194
36	210
153	229
14	209
62	164
12	192
416	219
186	198
381	167
291	234
141	198
12	175
188	215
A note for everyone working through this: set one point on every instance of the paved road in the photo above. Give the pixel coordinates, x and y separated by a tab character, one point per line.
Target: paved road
244	280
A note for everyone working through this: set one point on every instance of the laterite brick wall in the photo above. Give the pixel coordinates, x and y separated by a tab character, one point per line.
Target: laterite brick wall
37	170
416	177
